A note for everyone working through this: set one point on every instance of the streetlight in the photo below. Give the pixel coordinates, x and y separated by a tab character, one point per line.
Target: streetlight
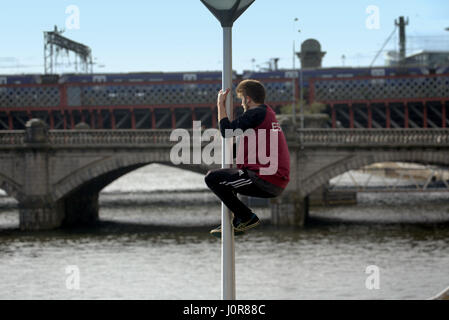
301	94
294	78
227	12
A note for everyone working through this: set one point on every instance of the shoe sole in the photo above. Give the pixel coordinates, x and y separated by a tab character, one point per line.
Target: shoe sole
248	227
218	233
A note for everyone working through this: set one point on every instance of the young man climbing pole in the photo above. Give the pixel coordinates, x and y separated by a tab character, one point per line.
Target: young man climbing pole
250	177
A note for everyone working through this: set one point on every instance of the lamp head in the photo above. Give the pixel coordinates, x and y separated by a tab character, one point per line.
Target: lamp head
227	11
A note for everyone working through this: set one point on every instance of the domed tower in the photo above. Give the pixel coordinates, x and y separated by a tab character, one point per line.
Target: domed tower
311	54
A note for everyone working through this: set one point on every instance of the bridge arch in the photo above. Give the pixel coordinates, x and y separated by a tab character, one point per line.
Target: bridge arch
99	174
11	187
314	181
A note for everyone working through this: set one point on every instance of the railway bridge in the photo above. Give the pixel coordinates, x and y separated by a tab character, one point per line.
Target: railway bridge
393	101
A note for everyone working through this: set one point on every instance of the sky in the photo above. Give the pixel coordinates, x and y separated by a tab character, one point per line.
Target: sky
182	35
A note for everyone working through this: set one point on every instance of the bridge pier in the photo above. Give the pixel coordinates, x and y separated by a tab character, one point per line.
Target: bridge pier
40	213
37	209
289	209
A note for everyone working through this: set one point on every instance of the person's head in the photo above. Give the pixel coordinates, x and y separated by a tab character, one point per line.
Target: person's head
252	93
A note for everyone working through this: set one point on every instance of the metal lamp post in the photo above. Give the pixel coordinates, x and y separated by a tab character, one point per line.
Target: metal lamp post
301	94
301	106
301	97
227	12
293	79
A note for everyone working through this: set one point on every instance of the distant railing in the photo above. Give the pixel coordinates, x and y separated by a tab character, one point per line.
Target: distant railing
374	137
110	137
306	137
12	137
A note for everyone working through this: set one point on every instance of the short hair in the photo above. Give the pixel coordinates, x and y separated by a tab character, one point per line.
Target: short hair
251	88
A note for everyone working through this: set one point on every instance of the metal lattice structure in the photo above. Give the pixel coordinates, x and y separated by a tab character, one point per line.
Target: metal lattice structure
169	93
112	105
417	101
29	96
141	94
381	89
54	44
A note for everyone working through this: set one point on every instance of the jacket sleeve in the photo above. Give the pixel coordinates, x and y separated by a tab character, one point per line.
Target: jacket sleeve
249	119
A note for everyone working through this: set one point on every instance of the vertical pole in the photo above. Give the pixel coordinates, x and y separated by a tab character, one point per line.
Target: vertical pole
192	110
153	118
293	88
112	117
64	117
405	115
387	115
351	117
83	117
173	118
133	119
214	118
91	116
443	114
45	52
72	122
64	99
370	116
334	116
100	119
424	115
52	122
227	235
10	124
402	23
301	97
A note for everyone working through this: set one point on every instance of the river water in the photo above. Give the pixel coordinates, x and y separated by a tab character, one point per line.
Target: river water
154	244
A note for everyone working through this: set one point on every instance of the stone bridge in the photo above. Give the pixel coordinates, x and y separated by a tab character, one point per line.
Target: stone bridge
56	175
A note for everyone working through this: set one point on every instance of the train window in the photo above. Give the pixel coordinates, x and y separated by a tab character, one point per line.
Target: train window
345	75
3	80
189	77
291	74
378	72
99	78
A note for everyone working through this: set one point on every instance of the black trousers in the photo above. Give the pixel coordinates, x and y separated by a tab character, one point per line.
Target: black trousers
227	183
